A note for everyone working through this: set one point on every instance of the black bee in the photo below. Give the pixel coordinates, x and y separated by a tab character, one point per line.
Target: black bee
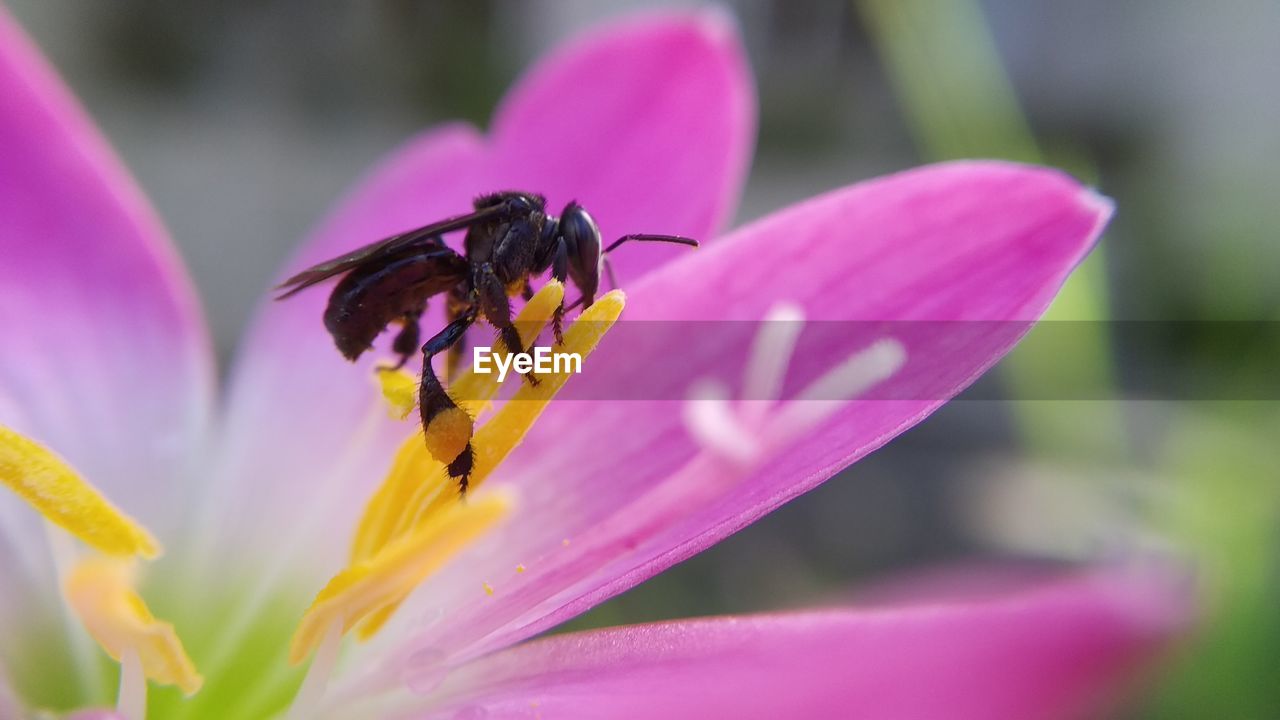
510	238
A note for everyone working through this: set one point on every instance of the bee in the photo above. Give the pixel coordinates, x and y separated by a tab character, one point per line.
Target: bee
509	239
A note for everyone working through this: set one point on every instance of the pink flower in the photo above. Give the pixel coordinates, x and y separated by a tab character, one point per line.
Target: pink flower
648	123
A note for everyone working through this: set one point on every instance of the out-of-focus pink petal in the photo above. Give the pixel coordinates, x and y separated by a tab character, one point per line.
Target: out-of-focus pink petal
962	256
96	715
105	355
649	123
303	426
1060	651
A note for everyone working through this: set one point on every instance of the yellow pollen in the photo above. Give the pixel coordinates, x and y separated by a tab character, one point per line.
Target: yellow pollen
101	591
418	490
520	568
400	390
395	570
488	589
59	494
413	476
448	434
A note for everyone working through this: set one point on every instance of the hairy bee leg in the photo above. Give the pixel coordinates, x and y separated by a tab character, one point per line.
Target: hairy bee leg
458	305
560	271
406	343
443	422
497	310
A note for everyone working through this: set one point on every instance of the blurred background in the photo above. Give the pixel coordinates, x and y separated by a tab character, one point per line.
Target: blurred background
244	120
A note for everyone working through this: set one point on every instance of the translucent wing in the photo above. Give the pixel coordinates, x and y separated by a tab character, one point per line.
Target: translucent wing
418	239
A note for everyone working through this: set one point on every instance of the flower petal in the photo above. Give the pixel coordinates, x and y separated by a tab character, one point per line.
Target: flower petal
963	256
1064	650
106	358
649	123
302	423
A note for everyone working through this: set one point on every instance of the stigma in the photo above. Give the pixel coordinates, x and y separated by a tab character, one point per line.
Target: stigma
100	586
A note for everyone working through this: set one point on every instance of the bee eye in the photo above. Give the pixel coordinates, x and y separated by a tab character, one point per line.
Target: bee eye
585	237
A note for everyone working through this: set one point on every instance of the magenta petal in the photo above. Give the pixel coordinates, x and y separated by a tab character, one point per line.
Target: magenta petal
613	491
302	422
1063	650
106	358
649	123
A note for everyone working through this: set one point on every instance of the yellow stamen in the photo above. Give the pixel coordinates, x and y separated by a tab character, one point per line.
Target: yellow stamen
415	467
101	591
394	571
418	489
400	390
57	492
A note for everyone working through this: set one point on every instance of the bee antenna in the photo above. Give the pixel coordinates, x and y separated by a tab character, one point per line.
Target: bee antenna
608	271
677	239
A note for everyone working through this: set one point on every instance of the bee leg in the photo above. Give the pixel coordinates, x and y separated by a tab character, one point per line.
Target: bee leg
527	292
446	427
406	342
458	305
497	310
560	271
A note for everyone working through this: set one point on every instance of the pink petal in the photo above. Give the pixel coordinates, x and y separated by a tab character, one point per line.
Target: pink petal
106	358
1064	650
649	123
303	425
612	492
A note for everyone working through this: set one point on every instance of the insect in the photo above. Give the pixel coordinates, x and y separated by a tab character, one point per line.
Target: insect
509	239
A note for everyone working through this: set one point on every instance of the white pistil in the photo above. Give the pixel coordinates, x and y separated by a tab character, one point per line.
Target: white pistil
713	422
314	684
131	703
743	432
62	550
857	374
771	353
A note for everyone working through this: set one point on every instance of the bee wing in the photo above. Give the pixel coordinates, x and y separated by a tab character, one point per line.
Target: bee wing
421	237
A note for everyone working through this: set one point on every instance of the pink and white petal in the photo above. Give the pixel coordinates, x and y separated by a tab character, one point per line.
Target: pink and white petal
303	426
648	122
1067	649
106	356
954	260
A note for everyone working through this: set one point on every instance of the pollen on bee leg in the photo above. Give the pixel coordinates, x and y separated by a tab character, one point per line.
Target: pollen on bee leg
57	492
417	477
448	433
412	491
101	592
416	497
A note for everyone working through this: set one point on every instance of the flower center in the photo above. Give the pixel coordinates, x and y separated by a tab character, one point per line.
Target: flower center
100	588
416	520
